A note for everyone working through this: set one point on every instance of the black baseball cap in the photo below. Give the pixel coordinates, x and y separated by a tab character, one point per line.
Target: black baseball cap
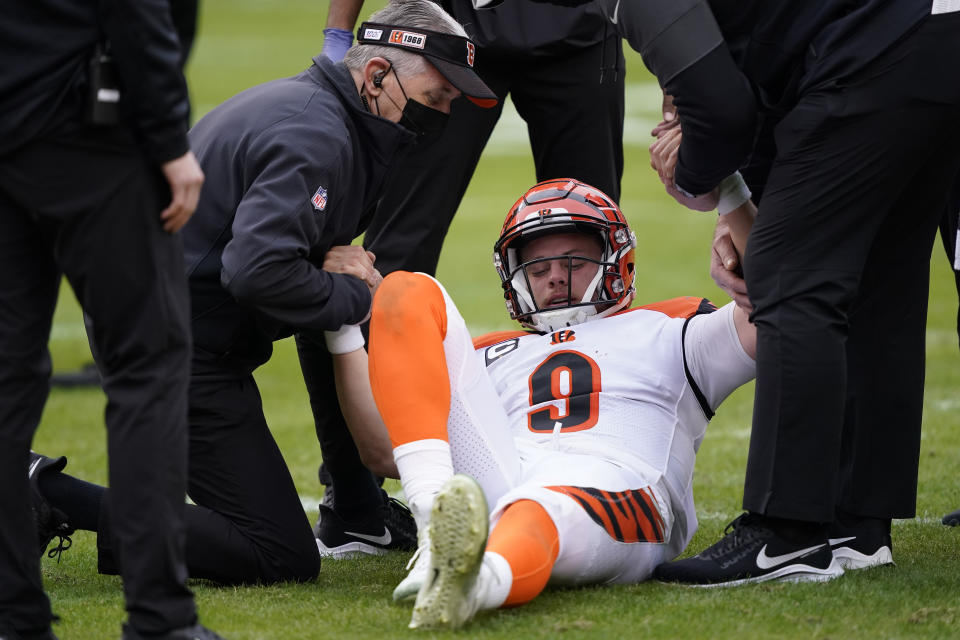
451	54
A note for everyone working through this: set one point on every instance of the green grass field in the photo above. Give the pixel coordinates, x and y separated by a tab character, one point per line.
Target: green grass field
245	42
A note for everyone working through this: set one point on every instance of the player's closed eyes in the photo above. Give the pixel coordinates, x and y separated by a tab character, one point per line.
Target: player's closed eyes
540	269
543	268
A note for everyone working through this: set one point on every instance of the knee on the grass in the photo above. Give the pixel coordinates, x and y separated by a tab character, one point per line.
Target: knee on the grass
294	558
301	567
260	559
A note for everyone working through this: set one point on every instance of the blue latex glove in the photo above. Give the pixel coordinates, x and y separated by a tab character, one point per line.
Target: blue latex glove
336	42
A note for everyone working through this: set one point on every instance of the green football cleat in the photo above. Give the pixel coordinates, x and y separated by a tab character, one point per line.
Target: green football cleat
459	523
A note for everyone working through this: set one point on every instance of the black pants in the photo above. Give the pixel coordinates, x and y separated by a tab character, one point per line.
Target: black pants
248	525
837	267
89	204
948	234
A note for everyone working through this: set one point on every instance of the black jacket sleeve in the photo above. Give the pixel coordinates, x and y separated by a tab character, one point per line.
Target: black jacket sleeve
718	114
147	54
681	43
276	229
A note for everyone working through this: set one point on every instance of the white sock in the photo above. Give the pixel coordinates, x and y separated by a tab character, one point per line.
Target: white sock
424	466
494	581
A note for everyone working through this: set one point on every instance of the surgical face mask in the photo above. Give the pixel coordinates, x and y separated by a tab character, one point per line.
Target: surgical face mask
426	122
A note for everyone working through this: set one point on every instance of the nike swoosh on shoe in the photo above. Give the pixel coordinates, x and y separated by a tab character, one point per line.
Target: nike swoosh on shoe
835	541
769	562
382	539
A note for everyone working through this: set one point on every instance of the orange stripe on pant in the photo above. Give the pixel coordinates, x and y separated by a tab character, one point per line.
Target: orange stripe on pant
408	368
527	538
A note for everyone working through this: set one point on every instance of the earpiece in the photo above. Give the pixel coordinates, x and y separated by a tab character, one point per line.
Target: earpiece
378	80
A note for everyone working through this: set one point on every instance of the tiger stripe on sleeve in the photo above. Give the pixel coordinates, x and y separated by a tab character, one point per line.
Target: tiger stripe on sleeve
626	516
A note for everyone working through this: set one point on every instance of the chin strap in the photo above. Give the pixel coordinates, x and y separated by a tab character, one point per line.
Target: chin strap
549	321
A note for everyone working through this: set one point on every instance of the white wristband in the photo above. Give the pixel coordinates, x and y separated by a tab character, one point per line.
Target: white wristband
733	193
346	339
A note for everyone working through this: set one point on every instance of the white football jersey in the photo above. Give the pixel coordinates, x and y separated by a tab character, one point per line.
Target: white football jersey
636	388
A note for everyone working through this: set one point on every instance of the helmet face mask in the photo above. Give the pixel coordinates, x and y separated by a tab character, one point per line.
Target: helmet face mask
565	207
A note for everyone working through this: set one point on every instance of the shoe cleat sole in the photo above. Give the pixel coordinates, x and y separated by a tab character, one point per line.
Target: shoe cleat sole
795	573
349	550
459	526
851	559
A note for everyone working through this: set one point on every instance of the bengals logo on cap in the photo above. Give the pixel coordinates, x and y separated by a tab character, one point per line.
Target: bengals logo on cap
408	38
471	51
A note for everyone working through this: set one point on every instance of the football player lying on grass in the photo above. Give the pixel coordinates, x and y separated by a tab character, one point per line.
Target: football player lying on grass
572	442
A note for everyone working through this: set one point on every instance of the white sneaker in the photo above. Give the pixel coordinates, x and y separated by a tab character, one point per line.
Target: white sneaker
459	524
417	570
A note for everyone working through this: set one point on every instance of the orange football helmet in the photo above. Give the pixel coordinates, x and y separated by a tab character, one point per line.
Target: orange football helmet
566	206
